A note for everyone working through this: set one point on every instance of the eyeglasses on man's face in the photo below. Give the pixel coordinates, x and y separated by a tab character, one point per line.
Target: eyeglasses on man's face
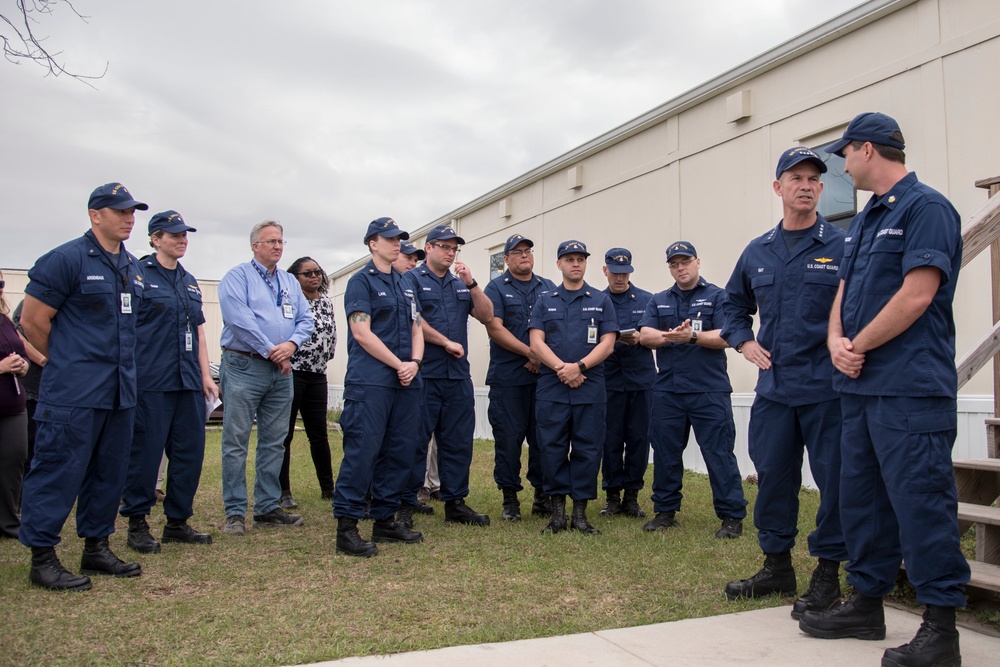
273	242
447	248
521	253
310	274
681	262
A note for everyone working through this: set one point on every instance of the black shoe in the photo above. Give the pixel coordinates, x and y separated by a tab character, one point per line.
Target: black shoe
776	577
540	506
180	531
139	537
326	494
579	519
99	559
613	504
286	502
861	617
823	592
456	511
557	515
662	521
278	517
390	530
731	529
48	572
630	504
423	508
405	515
349	542
511	506
934	645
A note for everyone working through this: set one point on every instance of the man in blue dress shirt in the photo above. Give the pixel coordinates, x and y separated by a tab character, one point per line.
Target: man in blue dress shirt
790	275
446	301
684	325
628	377
512	375
265	319
572	331
892	339
80	312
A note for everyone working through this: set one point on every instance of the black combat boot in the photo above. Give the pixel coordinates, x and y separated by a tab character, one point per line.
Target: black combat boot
390	530
48	572
557	510
823	592
613	502
662	521
540	507
934	645
98	558
456	511
511	506
579	518
861	617
630	504
139	537
178	530
349	541
405	515
777	576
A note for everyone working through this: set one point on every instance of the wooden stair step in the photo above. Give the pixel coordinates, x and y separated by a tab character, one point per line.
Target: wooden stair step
979	513
992	465
985	576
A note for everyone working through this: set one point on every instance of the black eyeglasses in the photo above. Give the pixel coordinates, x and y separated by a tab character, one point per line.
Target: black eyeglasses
3	283
447	248
310	274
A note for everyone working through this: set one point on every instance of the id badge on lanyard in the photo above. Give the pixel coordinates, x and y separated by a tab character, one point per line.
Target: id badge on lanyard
592	333
188	340
286	310
126	303
696	323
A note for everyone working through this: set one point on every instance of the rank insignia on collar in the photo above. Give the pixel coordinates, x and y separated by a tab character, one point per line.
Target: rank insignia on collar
892	199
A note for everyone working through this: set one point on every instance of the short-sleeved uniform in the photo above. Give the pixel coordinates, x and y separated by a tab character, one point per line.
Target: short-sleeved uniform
88	393
571	422
449	403
796	406
692	390
628	380
170	414
898	498
512	386
380	414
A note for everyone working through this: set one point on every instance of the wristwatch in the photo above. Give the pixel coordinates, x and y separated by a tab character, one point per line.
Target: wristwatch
694	337
419	363
583	366
473	285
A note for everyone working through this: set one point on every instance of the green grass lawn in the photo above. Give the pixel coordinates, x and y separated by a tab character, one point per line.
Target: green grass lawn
282	596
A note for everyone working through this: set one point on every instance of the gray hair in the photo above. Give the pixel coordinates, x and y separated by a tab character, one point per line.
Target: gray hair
260	226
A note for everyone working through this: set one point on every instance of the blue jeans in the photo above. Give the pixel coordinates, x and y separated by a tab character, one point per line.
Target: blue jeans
253	387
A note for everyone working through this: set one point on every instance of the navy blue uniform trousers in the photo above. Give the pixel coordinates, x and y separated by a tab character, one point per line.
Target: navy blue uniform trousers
449	414
626	442
512	418
574	440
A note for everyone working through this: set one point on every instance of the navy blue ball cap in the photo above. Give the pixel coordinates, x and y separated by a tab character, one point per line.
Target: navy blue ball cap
516	240
570	247
444	233
681	248
408	248
113	195
794	156
618	260
386	227
869	126
169	221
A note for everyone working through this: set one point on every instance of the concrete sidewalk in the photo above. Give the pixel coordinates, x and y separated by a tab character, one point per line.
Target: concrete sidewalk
765	637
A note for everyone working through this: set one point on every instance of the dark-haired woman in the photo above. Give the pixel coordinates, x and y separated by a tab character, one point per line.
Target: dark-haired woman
309	374
13	420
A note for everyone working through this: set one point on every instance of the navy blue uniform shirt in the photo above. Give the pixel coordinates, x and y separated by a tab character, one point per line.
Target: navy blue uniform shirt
794	294
92	342
630	367
910	226
445	304
392	308
565	316
171	307
512	302
688	368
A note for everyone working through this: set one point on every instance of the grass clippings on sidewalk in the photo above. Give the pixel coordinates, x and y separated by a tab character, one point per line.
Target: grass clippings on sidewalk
282	596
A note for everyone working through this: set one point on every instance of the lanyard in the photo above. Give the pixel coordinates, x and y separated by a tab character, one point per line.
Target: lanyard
263	274
178	277
108	259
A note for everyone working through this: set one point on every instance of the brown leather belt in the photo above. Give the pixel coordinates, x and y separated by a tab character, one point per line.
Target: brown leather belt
252	355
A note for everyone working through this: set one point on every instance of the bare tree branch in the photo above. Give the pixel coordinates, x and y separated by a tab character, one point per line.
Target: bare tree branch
20	43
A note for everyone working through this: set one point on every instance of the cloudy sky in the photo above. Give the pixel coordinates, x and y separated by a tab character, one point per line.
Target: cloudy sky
326	115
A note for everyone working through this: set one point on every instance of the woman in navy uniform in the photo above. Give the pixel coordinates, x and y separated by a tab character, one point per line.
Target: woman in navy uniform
573	329
171	358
